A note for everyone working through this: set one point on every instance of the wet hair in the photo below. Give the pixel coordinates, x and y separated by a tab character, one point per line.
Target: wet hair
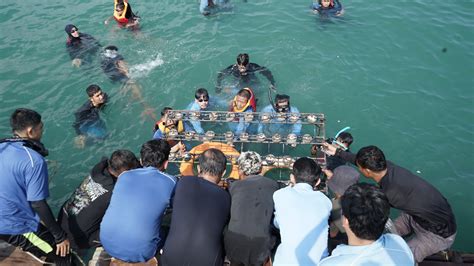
23	118
155	153
201	92
111	47
92	89
212	162
367	209
281	98
306	170
243	59
165	110
250	163
346	137
244	93
371	158
123	160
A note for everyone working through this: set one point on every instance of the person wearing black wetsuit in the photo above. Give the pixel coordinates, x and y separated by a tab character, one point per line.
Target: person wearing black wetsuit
200	211
425	212
88	122
80	46
244	72
113	65
328	8
81	214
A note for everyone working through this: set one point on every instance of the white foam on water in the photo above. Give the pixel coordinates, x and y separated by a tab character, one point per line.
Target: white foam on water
144	69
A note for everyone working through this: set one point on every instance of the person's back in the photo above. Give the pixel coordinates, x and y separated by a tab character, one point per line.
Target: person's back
302	216
130	228
113	66
200	211
251	217
82	213
388	250
365	211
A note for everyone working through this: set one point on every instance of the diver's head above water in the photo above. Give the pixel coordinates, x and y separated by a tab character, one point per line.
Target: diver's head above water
282	103
202	98
111	51
72	31
242	63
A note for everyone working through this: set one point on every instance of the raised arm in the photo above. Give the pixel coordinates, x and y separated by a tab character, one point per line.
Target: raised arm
265	72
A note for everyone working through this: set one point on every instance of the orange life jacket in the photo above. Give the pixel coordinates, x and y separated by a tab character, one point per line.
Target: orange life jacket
251	102
120	18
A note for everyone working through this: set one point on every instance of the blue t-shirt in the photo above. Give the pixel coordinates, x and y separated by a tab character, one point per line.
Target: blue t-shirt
282	129
389	249
24	178
130	228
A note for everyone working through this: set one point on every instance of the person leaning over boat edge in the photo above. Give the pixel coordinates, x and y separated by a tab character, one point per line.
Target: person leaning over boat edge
201	210
26	220
365	210
81	214
425	212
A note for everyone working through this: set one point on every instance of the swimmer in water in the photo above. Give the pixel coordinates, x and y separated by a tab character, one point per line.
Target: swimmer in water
244	72
207	7
124	15
80	45
114	66
243	102
328	7
88	123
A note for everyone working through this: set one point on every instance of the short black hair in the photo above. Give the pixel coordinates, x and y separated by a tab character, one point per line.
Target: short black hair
243	59
120	5
201	92
212	162
123	160
371	158
306	170
281	97
92	89
23	118
367	209
244	93
165	110
154	153
346	137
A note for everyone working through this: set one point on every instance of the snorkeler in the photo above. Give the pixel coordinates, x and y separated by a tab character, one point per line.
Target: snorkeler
80	45
328	7
281	106
88	123
114	66
245	72
207	7
124	15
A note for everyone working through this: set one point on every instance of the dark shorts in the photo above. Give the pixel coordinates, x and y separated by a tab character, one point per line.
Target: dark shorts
40	243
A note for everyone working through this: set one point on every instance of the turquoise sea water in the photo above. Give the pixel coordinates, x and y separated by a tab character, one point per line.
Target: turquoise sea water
400	73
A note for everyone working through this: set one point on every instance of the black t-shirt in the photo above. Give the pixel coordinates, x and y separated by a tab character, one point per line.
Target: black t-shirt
88	114
84	47
110	68
200	212
248	237
87	205
415	196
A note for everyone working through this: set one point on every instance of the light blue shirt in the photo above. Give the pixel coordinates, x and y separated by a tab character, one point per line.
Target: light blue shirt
23	178
302	216
130	229
282	129
389	249
196	125
241	126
